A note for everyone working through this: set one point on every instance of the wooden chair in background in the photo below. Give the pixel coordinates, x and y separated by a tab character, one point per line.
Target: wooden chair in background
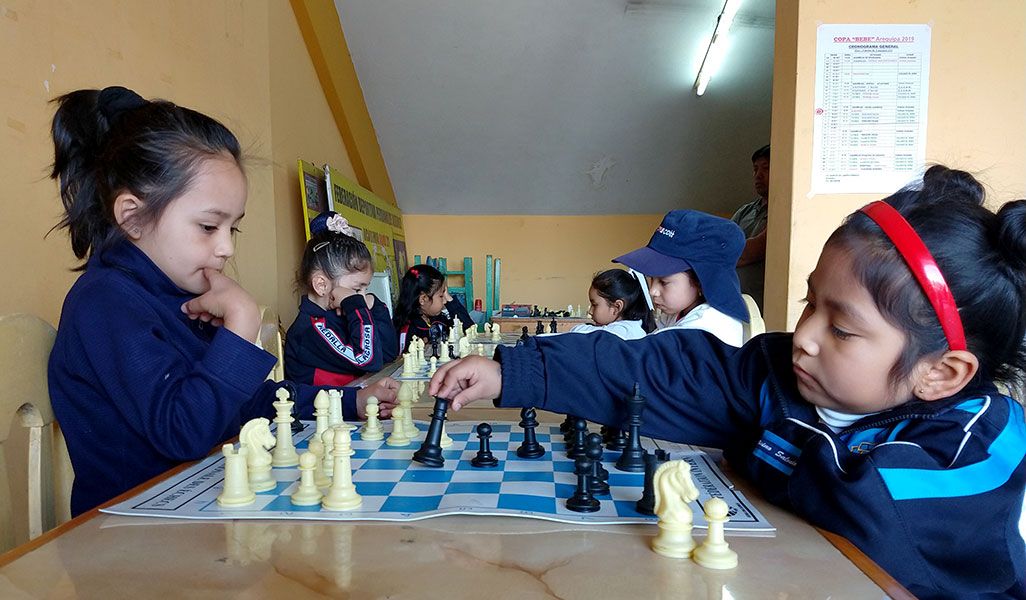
35	471
270	339
755	324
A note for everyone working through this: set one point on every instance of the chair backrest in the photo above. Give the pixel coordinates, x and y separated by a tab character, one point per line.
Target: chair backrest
35	471
755	324
270	339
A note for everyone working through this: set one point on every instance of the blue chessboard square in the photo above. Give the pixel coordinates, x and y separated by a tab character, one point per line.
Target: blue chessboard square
565	490
374	488
531	503
544	476
562	466
626	508
362	453
280	486
424	475
621	479
385	463
473	487
501	428
463	437
283	503
452	454
408	504
495	446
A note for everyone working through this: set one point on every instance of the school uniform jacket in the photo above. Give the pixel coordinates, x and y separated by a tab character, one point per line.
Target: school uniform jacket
417	327
931	491
323	348
138	388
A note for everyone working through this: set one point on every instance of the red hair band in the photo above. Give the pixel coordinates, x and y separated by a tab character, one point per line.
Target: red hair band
923	266
415	272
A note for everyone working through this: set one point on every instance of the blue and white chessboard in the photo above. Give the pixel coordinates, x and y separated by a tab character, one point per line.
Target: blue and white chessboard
394	488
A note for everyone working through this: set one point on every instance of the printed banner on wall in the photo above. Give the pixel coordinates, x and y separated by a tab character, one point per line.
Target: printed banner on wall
314	193
378	223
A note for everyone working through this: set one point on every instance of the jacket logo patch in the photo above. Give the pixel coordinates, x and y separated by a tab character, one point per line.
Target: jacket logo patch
366	352
777	452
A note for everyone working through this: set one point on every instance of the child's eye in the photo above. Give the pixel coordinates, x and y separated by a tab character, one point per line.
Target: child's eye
209	228
236	230
840	333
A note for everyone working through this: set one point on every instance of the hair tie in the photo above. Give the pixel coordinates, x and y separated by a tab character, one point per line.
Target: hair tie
115	100
336	223
923	266
415	272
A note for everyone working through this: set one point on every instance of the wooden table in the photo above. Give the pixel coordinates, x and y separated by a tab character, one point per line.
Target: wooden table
104	556
514	324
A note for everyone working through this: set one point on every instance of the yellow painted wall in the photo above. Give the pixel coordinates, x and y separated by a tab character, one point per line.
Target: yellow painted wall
241	62
977	119
546	260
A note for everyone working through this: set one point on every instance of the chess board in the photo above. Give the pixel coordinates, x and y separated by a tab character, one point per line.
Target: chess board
394	488
420	374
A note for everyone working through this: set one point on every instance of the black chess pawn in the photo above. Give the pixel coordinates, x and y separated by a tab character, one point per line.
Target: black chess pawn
582	500
539	328
599	475
633	458
452	352
617	440
484	456
567	425
530	448
580	435
553	326
524	336
430	452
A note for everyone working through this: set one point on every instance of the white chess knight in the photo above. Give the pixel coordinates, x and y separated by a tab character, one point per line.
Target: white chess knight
236	490
257	437
714	552
674	489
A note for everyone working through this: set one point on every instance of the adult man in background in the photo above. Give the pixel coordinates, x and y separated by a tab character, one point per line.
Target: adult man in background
751	218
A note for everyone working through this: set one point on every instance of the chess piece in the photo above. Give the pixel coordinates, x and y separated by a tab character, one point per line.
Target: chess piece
484	457
567	426
307	493
446	441
408	370
530	448
398	436
646	504
599	476
714	552
284	451
633	458
674	489
372	428
316	447
464	346
580	434
342	494
524	336
617	439
321	414
434	366
539	328
334	408
496	333
430	452
582	500
257	437
553	326
328	441
236	490
481	351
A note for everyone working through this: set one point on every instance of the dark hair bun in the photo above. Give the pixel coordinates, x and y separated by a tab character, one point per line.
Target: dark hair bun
942	183
1011	235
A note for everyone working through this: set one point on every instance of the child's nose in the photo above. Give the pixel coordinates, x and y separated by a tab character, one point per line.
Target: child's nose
805	338
225	247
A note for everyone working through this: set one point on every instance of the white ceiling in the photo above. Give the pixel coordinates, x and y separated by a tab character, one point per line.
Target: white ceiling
561	106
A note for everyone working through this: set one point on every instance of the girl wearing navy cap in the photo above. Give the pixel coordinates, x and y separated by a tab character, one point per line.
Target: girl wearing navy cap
690	263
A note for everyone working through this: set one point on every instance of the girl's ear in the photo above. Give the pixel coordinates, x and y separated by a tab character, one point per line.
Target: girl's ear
617	307
423	299
946	376
320	284
127	207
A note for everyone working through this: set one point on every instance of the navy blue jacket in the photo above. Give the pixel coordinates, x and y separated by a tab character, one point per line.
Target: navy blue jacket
454	309
323	348
138	388
931	491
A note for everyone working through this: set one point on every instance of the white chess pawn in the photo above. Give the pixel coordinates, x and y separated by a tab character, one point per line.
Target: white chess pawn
372	430
408	369
714	552
316	447
307	493
445	441
434	366
285	454
342	494
496	333
397	437
481	351
674	489
256	436
236	490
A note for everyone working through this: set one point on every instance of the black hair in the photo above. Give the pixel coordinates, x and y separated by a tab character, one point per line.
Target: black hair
617	284
419	279
111	141
334	254
982	256
763	152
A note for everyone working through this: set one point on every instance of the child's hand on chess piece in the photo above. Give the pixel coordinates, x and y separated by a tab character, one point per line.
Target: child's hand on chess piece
385	390
225	303
466	380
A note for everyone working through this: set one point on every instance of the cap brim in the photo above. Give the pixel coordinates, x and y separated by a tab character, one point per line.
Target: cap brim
652	263
721	289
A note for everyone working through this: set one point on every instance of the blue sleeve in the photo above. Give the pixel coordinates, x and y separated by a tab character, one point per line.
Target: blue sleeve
458	311
388	339
354	346
698	390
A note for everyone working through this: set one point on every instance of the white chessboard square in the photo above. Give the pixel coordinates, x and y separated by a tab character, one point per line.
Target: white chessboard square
416	488
528	465
378	475
469	500
568	478
477	475
372	503
529	488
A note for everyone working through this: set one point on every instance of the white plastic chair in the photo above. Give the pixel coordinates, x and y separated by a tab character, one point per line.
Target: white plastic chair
755	324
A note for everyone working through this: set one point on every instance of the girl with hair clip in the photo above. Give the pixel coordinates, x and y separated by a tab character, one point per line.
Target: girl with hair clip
341	331
878	419
618	305
154	361
424	301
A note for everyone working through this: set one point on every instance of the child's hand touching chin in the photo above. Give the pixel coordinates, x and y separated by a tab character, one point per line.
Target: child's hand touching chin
339	293
226	303
466	380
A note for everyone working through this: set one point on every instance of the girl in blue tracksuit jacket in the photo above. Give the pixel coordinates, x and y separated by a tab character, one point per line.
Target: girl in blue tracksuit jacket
341	331
878	419
154	362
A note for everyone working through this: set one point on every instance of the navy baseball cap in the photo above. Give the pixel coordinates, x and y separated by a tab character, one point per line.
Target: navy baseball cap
689	240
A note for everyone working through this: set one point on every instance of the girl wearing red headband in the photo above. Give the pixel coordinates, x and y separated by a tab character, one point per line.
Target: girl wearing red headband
879	418
424	301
